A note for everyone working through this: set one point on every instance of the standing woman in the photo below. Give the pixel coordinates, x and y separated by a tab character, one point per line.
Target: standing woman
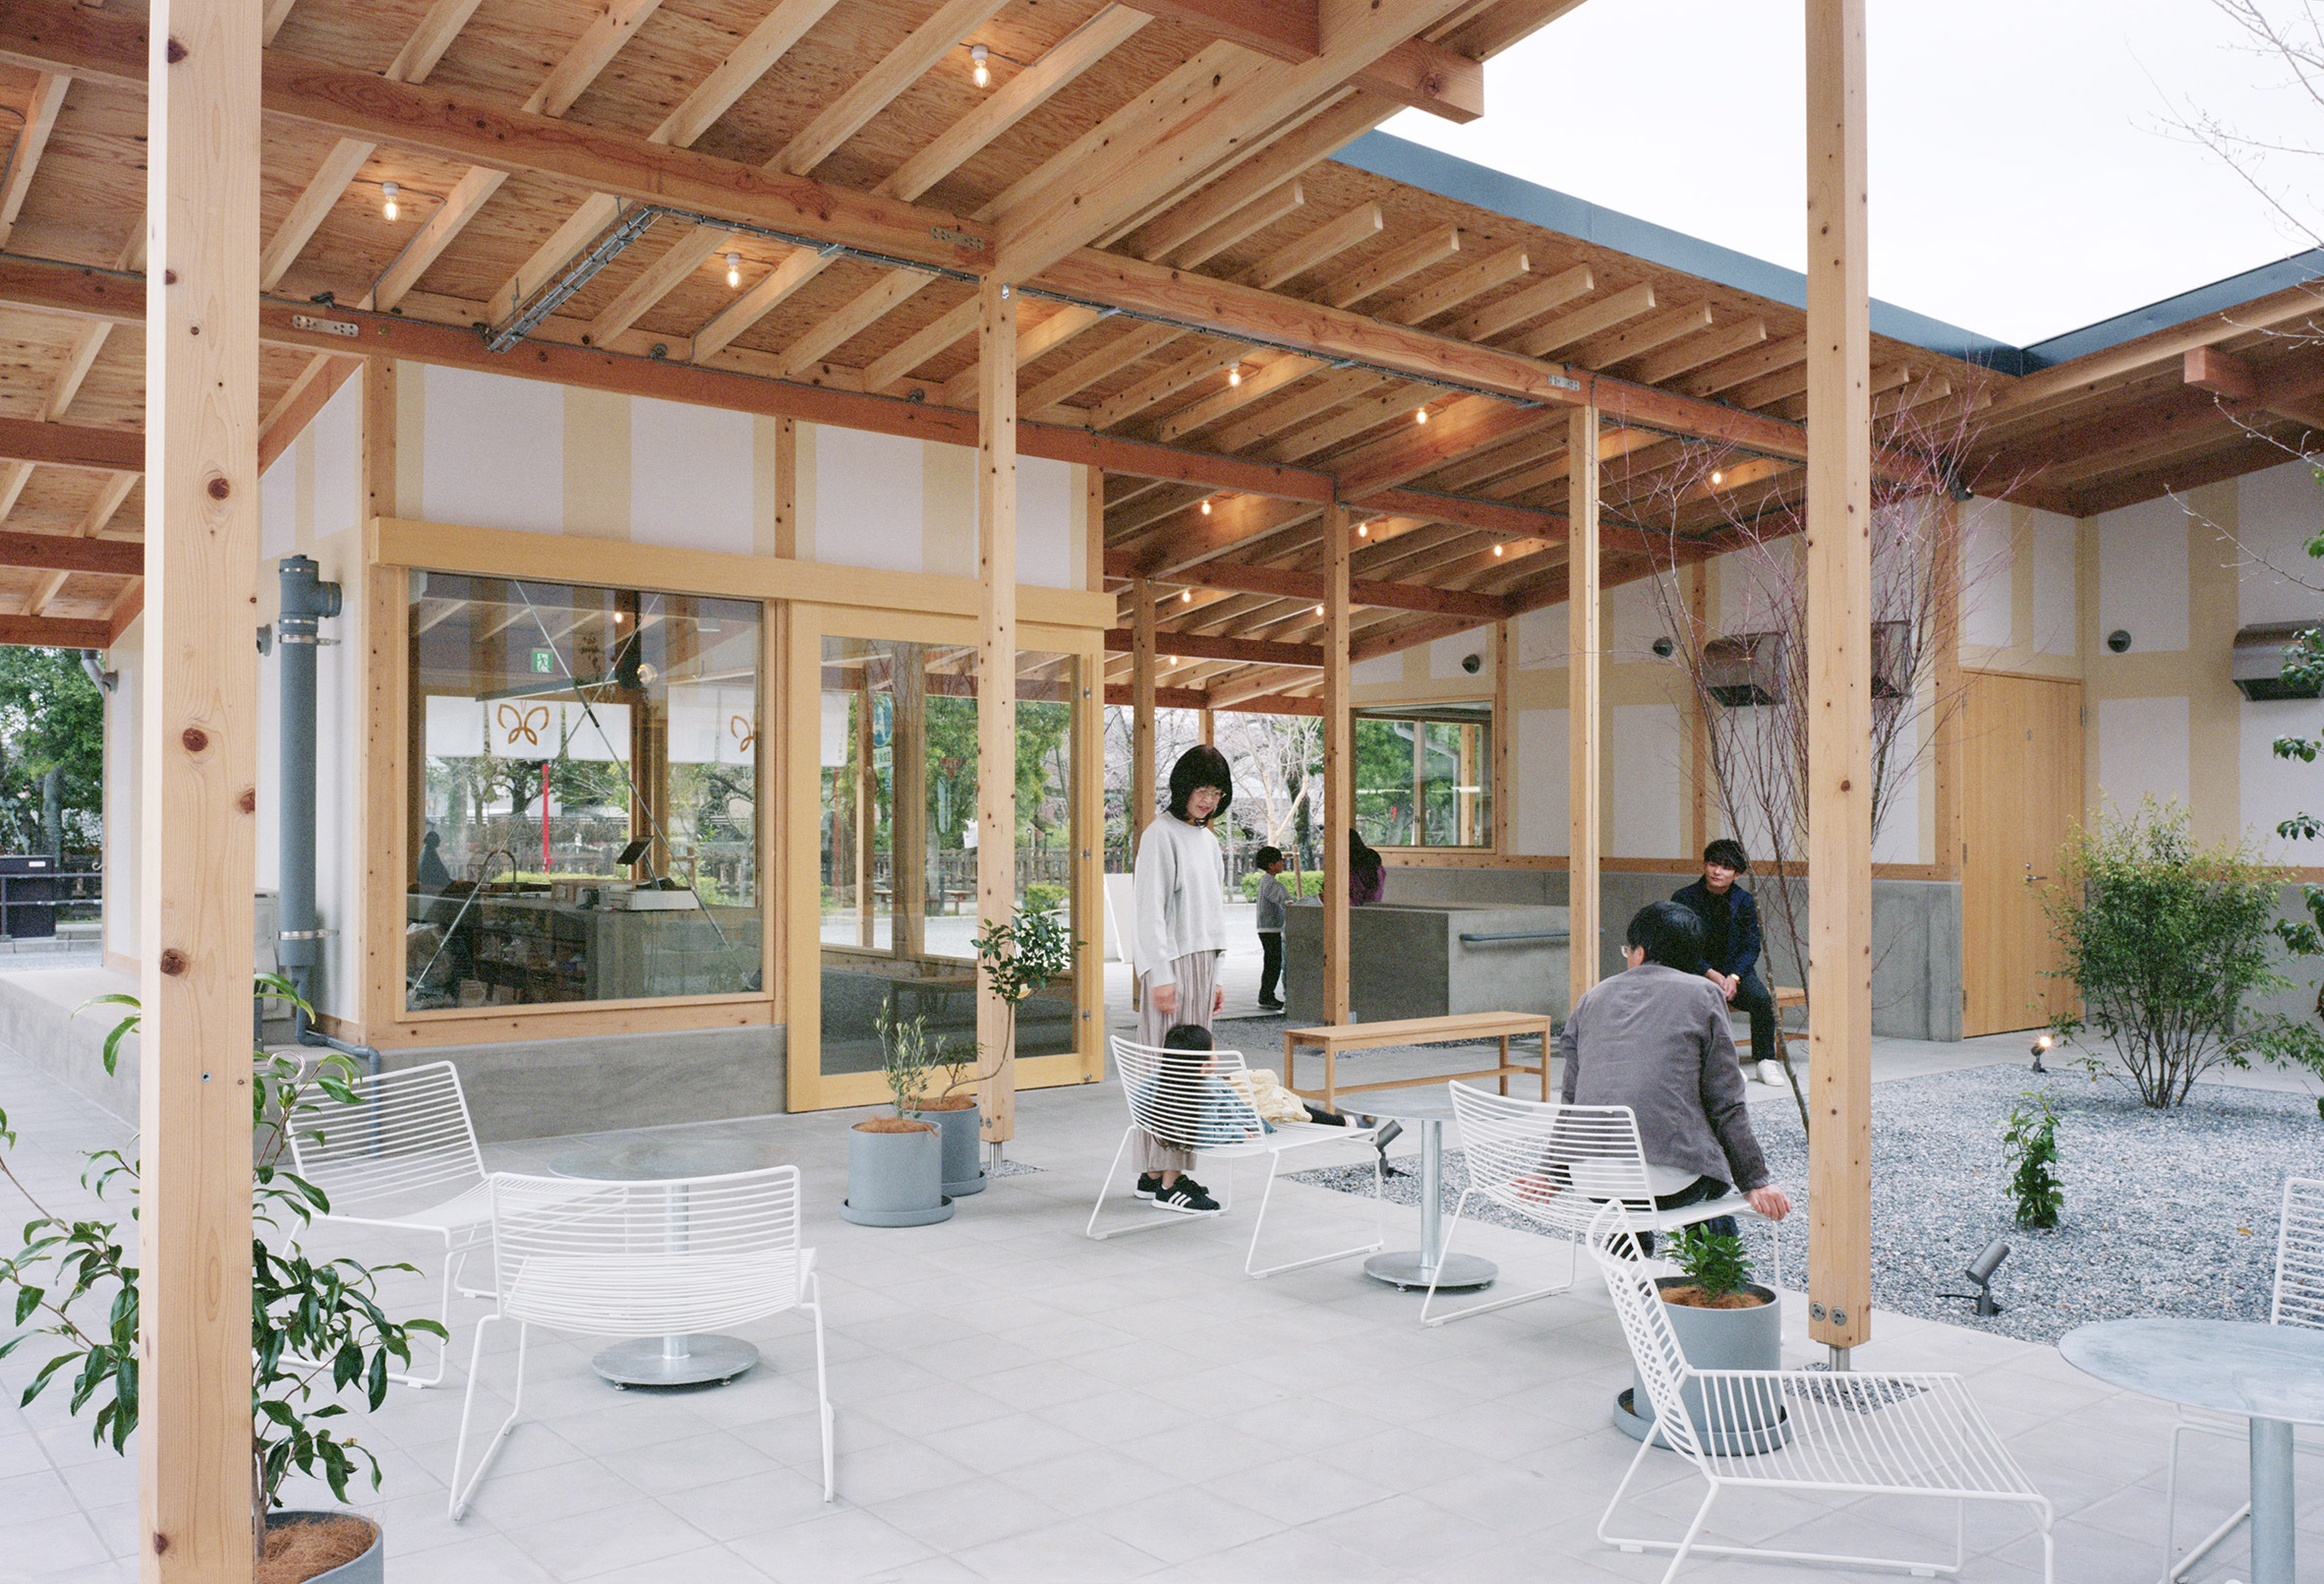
1178	896
1367	876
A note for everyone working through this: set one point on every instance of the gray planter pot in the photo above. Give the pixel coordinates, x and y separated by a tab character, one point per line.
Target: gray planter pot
961	1131
896	1179
369	1568
1719	1339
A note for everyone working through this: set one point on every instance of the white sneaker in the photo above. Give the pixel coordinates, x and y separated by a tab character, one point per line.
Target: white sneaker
1772	1074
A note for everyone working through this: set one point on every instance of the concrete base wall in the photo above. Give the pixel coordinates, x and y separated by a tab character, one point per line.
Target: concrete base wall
1410	961
38	1022
1916	932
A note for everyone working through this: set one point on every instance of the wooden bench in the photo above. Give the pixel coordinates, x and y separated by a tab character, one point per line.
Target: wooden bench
1334	1038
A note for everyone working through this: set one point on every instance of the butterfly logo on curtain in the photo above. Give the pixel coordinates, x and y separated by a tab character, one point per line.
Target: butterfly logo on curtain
745	733
524	723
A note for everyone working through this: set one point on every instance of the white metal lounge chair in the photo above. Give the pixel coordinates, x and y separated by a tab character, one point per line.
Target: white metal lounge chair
405	1157
1857	1434
2299	1300
1193	1099
1558	1166
649	1258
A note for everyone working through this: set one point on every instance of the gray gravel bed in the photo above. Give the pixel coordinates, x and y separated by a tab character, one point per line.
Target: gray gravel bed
2167	1212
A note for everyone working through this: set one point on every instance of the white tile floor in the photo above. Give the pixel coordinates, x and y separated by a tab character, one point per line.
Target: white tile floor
1019	1403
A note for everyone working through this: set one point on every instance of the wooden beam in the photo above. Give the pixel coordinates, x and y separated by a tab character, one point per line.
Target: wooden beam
32	140
1138	342
1248	221
1839	691
1318	247
1145	652
1273	165
996	679
1696	351
1197	646
1591	318
1233	521
197	847
764	296
1463	425
1585	741
1339	766
1768	358
1125	696
1473	279
876	89
103	450
439	27
688	252
52	633
1291	583
1426	75
890	291
1395	267
460	204
1012	101
64	553
297	406
888	371
1280	29
1542	297
2222	373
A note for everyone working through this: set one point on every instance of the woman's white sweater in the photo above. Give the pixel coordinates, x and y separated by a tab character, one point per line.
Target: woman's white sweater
1177	897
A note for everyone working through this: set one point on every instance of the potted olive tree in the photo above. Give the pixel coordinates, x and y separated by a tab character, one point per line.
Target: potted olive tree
895	1162
317	1331
1018	960
1723	1320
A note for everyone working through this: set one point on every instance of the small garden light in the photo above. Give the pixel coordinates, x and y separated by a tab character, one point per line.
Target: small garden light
2040	1045
1980	1273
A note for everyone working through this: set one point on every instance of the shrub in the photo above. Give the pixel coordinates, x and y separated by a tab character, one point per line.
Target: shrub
2164	939
1712	1261
1044	898
1308	883
908	1061
2029	1142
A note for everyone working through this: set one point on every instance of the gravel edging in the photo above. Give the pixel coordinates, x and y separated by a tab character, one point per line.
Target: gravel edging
2167	1212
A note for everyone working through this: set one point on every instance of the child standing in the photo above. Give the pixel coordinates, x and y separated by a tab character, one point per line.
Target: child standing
1273	897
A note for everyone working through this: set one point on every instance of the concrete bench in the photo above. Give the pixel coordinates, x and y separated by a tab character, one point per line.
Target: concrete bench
1334	1038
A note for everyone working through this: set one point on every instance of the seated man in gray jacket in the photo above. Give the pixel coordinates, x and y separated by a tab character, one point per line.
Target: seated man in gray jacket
1655	1038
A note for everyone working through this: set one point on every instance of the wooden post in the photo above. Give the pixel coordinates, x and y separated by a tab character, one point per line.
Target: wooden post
1946	762
1583	743
866	797
1497	816
1141	711
197	847
1839	685
1696	587
996	676
1209	726
1339	763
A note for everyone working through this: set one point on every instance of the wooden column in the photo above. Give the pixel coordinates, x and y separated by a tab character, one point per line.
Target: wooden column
865	794
1209	729
996	681
1946	762
1839	684
1497	814
1142	659
197	845
1695	584
1339	763
1584	747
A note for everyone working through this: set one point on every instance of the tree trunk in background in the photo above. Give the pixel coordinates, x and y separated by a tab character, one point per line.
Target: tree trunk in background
52	813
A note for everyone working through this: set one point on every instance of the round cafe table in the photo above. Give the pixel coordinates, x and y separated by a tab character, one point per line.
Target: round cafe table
2270	1375
1429	1110
683	1360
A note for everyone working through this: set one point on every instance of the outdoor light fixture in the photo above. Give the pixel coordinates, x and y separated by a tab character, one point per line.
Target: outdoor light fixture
387	206
1980	1273
1235	375
1421	416
733	270
1363	529
1319	610
983	73
2040	1045
1496	549
1206	509
1185	595
1717	477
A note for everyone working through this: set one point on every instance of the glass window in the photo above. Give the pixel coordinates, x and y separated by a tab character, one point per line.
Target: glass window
1424	775
585	794
897	785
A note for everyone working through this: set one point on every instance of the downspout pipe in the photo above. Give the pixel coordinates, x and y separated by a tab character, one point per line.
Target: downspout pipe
306	601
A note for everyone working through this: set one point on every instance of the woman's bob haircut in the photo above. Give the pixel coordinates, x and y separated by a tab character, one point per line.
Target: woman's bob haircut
1200	766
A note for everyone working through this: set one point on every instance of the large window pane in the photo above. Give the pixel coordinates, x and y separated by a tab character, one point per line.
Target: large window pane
1424	775
897	782
586	826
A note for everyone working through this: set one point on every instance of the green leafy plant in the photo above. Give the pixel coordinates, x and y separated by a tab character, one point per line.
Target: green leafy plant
908	1061
1043	897
1017	960
1308	883
1715	1263
317	1327
2029	1142
2164	939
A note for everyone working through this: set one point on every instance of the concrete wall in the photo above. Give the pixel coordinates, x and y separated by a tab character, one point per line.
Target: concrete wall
1409	961
539	1089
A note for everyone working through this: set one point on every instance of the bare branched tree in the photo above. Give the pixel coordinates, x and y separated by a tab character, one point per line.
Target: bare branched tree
1759	754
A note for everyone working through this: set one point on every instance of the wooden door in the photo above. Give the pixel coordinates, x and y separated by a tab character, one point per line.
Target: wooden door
2021	783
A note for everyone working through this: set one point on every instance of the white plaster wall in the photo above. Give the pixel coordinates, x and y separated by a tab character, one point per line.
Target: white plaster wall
278	506
867	501
334	440
1540	639
1646	782
2273	789
691	471
1544	795
1635	616
2142	750
1045	517
1987	559
2049	552
494	450
1378	669
2142	575
2278	512
1445	656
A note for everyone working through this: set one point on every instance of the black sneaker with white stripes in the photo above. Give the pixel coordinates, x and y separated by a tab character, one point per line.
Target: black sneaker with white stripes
1185	1195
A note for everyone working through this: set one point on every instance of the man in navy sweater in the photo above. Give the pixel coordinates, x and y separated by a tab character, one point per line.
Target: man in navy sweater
1731	947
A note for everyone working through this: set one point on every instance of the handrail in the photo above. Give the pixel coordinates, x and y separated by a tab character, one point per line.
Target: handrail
1518	935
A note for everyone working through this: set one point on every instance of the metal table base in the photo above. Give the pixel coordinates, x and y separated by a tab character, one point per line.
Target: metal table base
675	1361
1410	1268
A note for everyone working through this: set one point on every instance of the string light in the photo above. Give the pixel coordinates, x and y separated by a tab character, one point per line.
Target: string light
387	206
733	270
1496	549
1185	595
1319	610
983	73
1718	476
1235	375
1421	416
1363	529
1206	509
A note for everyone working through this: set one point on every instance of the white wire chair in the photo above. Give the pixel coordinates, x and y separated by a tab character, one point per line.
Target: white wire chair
1196	1101
404	1157
1558	1166
1852	1434
645	1258
2298	1299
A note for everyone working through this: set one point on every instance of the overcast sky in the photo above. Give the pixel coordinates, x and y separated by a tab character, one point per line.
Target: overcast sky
2024	180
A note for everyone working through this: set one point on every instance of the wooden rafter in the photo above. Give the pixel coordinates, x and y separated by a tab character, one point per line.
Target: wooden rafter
31	139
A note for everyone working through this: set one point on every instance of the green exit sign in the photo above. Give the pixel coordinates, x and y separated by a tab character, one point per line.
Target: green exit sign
545	661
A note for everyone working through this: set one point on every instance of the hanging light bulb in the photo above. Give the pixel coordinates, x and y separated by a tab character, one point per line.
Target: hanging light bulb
1206	509
387	206
1319	610
1496	549
733	270
983	73
1235	375
1185	595
1421	416
1363	529
1718	476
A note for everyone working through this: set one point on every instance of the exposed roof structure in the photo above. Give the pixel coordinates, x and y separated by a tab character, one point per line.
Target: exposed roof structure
1237	327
